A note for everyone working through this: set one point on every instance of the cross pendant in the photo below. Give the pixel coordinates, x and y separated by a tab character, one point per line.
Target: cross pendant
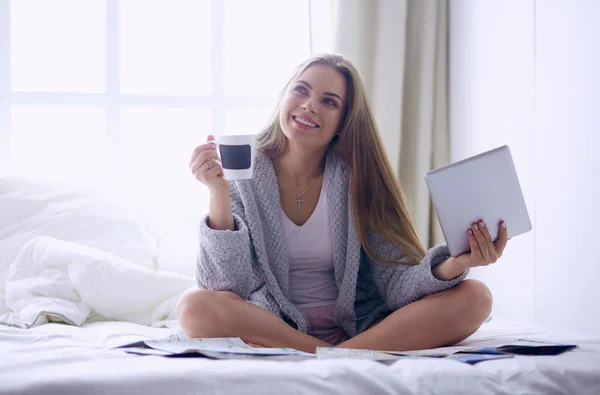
299	201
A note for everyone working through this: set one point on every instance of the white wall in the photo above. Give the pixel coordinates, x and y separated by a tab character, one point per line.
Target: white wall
525	73
491	104
567	80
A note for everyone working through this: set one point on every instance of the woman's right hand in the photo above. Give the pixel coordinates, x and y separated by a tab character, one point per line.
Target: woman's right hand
206	166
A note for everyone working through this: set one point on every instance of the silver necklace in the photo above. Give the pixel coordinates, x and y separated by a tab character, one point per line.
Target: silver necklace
299	198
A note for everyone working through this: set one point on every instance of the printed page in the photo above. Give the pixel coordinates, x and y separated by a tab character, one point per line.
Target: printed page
535	343
233	345
434	352
476	358
329	352
177	346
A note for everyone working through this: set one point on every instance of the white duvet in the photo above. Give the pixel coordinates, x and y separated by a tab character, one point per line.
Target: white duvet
60	281
64	359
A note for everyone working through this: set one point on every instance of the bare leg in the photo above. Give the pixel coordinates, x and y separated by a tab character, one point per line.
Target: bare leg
439	319
203	313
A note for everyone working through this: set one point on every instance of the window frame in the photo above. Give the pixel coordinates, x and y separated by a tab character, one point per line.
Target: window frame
111	100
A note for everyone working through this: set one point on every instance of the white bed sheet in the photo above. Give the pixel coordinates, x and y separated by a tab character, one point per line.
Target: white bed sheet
61	359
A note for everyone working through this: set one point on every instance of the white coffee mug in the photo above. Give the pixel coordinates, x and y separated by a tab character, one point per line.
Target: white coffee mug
237	152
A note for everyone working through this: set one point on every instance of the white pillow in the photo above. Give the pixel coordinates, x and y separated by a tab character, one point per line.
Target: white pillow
94	216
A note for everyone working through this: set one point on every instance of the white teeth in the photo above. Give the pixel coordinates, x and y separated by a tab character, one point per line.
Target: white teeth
305	122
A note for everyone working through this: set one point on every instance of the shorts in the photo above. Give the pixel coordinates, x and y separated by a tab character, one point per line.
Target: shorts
321	325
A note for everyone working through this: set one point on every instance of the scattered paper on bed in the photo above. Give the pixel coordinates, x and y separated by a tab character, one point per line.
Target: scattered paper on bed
472	359
434	352
234	347
331	352
467	354
179	346
147	351
532	343
229	345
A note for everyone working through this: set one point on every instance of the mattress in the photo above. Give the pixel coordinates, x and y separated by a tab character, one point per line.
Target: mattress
63	359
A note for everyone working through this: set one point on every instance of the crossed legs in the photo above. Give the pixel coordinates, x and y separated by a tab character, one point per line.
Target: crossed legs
439	319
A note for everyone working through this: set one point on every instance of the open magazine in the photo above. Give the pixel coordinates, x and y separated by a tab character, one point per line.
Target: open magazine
217	348
235	348
467	354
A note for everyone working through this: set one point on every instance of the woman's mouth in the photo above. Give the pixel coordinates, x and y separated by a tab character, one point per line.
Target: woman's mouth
304	123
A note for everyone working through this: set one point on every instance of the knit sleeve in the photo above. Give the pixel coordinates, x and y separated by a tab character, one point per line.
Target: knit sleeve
224	260
405	283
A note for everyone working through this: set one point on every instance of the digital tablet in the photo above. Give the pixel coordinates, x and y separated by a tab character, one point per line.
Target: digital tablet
484	186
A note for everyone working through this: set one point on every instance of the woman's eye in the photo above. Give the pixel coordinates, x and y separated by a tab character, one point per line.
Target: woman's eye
329	101
300	89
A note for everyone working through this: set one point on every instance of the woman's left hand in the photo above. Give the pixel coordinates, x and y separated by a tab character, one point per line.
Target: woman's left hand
483	250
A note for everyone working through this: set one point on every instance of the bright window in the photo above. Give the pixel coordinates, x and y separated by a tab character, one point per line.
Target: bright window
124	90
58	142
65	52
165	50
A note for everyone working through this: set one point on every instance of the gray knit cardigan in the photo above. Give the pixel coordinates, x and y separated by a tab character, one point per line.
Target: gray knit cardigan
252	260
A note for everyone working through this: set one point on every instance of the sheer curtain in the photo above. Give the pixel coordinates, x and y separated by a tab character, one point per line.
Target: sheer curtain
400	47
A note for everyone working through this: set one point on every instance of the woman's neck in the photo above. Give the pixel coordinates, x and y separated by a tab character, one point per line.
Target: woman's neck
300	168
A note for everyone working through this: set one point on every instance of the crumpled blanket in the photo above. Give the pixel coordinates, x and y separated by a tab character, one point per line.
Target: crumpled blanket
59	281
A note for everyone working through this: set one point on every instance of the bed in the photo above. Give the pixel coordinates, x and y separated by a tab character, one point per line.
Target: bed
81	274
63	359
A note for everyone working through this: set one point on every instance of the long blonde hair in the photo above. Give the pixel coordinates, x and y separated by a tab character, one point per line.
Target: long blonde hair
379	203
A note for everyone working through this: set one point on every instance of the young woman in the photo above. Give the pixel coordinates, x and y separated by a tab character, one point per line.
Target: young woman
318	248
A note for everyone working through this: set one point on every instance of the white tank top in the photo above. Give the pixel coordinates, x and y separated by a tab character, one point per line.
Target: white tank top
310	250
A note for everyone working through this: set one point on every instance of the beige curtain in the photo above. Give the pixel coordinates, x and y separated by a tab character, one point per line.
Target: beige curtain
400	48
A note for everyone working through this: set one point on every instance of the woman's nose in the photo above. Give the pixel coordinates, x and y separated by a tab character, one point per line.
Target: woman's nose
308	106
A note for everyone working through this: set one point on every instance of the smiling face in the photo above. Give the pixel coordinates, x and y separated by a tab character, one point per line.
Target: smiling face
312	108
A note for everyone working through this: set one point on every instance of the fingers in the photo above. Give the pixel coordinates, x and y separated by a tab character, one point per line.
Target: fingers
489	243
209	171
202	158
483	250
502	238
200	148
206	166
475	252
482	243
